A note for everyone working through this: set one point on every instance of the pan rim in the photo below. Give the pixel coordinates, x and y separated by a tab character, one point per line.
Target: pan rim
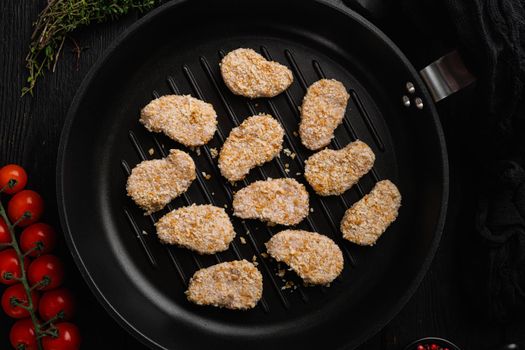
137	25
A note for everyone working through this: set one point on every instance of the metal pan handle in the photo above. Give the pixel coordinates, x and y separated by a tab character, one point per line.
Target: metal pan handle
446	75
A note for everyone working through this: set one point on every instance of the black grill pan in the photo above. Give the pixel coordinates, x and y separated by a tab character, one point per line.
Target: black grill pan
176	49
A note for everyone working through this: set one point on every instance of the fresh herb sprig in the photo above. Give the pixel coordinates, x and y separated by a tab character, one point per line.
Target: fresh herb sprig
61	17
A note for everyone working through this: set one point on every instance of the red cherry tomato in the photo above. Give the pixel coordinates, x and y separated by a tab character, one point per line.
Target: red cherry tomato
5	237
46	267
55	301
35	233
9	264
17	292
22	202
68	338
14	173
22	335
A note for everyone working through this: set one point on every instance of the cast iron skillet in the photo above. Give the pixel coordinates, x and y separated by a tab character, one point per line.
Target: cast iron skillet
176	48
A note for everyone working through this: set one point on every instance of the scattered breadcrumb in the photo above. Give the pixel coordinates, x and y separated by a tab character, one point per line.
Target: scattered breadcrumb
264	255
213	152
332	172
256	141
243	240
151	151
295	133
311	210
144	233
281	273
198	151
369	218
322	111
184	119
298	174
154	183
203	228
249	74
232	285
314	257
277	201
206	176
287	285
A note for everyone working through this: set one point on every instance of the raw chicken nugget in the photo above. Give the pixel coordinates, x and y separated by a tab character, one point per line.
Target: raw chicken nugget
203	228
154	183
332	172
322	111
185	119
314	257
247	73
232	285
279	201
256	141
368	218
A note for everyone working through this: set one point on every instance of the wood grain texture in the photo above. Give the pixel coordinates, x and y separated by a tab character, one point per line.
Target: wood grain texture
29	134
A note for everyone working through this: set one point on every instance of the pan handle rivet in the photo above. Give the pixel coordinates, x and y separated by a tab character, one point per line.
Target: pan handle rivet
410	87
419	102
406	101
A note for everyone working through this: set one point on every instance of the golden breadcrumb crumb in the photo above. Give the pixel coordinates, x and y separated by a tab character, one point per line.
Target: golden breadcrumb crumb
256	141
278	201
232	285
332	172
247	73
322	111
314	257
154	183
205	229
368	218
185	119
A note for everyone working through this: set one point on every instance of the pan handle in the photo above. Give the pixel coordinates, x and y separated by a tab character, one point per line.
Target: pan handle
446	75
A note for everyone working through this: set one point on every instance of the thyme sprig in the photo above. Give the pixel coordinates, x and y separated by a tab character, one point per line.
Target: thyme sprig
61	17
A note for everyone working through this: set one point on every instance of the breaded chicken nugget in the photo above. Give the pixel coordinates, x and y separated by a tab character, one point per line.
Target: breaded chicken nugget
203	228
368	218
314	257
232	285
185	119
154	183
322	111
279	201
249	74
332	172
256	141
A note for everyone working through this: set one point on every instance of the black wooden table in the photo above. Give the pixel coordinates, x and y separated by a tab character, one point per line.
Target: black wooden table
29	134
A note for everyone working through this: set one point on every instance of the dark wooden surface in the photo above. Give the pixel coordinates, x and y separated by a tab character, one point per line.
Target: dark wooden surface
29	134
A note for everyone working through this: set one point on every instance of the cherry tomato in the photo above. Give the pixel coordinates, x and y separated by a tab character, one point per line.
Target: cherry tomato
46	267
9	264
23	334
35	233
68	338
22	202
17	174
55	301
19	293
5	237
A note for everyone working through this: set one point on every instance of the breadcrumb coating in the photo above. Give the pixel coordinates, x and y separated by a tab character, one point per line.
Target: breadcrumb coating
314	257
205	229
332	172
369	218
249	74
154	183
322	111
235	285
185	119
278	201
256	141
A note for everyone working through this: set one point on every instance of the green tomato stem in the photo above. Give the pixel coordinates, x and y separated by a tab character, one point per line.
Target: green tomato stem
23	278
